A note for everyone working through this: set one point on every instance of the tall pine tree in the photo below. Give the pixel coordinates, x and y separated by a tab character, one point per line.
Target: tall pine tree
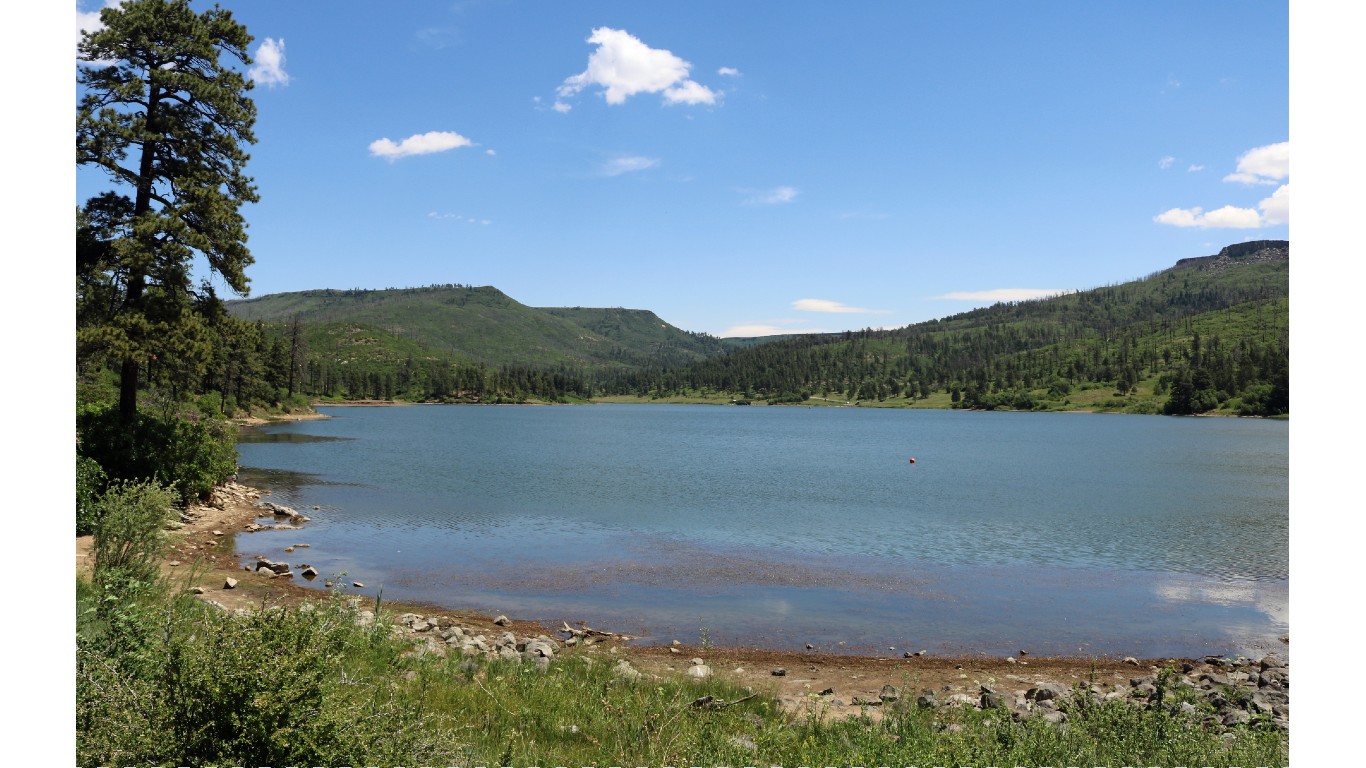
167	120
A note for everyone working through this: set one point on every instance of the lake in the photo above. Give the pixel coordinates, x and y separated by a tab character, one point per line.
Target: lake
1057	533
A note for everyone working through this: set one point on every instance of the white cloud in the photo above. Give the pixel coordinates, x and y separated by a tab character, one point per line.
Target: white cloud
1228	217
560	106
825	305
1004	294
620	165
1195	168
418	144
1276	209
490	152
764	329
269	69
1263	165
89	21
728	72
689	92
624	66
456	217
775	196
1166	162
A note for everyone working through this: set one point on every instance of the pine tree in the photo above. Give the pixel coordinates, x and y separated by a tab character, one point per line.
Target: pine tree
168	122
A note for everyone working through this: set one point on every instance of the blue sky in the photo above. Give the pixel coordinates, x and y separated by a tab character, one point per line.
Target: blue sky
745	168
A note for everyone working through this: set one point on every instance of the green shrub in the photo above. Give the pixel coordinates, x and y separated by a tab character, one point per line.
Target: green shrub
90	481
128	531
192	457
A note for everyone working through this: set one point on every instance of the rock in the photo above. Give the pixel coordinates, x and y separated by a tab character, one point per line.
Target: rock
230	583
1236	717
301	546
501	621
309	572
889	694
1268	661
420	625
1215	679
1130	660
1275	677
1054	717
699	671
810	647
991	700
926	701
624	670
357	585
1010	659
218	533
963	700
279	567
907	655
779	672
197	590
827	692
289	549
1045	692
542	663
671	649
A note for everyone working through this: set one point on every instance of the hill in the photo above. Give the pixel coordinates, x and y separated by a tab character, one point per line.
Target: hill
478	325
1210	333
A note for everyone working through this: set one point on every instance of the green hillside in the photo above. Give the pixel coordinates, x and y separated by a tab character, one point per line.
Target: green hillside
1209	334
477	325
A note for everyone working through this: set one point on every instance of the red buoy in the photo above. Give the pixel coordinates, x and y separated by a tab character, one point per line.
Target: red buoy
912	459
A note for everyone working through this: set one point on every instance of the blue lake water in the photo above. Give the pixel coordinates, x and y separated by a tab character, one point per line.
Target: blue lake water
1061	534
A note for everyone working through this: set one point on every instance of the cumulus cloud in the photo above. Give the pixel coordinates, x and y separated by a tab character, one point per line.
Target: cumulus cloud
561	107
825	305
89	21
1263	165
1166	162
728	72
418	144
1269	212
620	165
1195	168
623	66
1228	217
269	69
1004	294
775	196
1276	209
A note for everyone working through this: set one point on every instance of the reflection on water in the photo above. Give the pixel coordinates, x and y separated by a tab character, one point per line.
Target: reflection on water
262	436
1060	533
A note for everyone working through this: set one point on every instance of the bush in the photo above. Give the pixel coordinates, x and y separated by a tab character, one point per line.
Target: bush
191	457
128	534
90	481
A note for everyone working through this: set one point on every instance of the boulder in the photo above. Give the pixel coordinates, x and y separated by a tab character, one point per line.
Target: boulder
1045	692
779	672
501	621
625	671
699	671
230	583
889	694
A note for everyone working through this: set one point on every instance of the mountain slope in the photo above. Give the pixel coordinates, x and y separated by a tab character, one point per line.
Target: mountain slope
480	325
1216	326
